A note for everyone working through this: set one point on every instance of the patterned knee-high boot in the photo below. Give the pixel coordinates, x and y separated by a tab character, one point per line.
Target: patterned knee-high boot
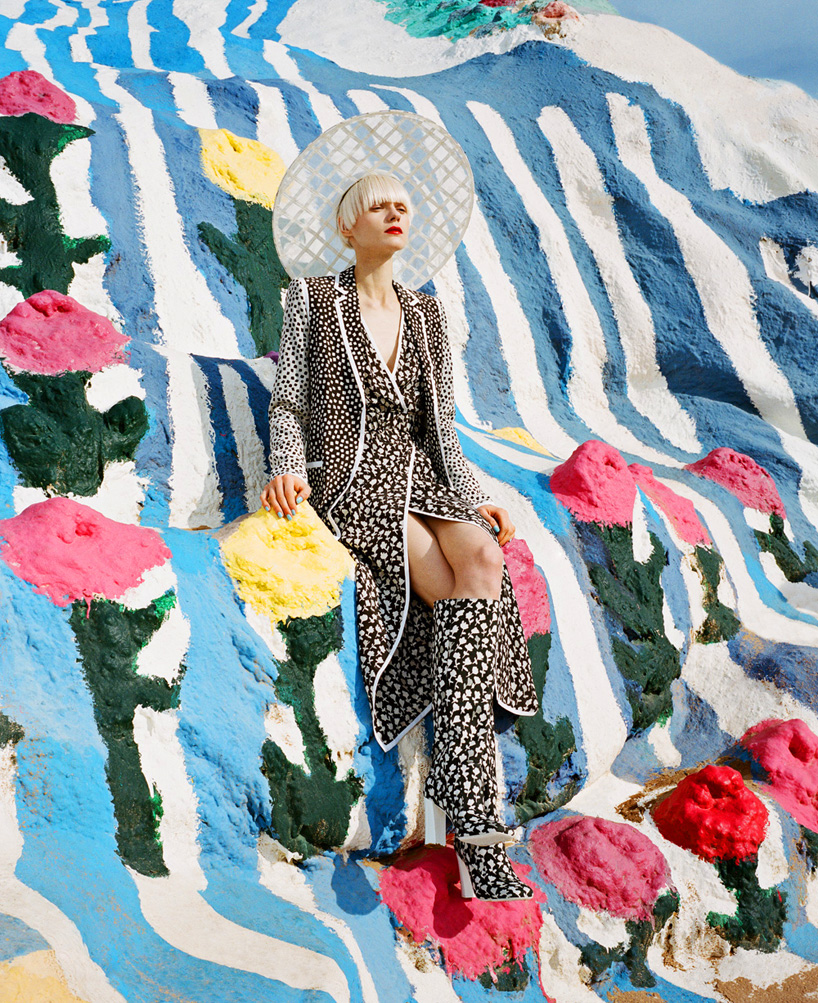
462	781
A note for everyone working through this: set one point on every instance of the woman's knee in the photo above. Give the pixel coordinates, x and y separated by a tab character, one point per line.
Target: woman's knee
481	564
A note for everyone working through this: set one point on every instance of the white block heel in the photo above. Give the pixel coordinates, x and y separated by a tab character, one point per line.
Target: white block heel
466	889
435	823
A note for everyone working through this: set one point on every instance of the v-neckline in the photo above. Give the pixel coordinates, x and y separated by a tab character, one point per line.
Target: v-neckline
378	352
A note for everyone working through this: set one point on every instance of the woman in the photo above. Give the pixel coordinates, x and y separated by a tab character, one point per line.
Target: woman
362	423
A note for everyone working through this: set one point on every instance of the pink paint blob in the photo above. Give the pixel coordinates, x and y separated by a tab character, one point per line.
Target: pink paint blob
595	484
28	91
788	752
604	866
742	476
558	9
68	551
424	894
529	587
51	333
714	814
498	3
680	511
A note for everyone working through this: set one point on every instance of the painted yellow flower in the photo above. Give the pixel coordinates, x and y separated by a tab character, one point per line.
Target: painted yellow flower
522	437
286	568
244	168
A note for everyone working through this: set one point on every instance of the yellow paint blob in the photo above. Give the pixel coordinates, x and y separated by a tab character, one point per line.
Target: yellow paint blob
286	568
34	978
523	438
244	168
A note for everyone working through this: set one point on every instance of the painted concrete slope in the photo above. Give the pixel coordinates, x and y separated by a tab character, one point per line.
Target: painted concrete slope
192	804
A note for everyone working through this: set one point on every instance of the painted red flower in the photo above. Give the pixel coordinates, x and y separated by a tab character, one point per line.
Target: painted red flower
742	476
713	814
424	894
601	865
788	752
51	333
27	91
529	587
68	551
596	485
680	511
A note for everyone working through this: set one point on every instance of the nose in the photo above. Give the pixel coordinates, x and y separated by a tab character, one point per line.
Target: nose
394	213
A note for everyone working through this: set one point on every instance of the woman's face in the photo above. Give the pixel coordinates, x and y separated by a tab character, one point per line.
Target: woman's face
383	228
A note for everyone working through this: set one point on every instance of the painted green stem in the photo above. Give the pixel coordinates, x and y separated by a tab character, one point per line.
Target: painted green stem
775	542
758	924
109	638
310	810
721	622
548	747
250	256
631	592
33	231
59	442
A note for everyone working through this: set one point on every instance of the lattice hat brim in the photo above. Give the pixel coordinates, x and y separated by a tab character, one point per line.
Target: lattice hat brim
421	154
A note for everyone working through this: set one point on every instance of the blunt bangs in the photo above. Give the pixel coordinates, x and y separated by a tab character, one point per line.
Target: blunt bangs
366	192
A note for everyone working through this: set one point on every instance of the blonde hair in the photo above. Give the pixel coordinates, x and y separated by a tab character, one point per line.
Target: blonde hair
365	192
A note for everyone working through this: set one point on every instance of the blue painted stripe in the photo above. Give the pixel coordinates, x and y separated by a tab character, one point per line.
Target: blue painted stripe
228	469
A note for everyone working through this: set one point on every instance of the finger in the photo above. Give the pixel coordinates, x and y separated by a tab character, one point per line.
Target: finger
305	492
281	499
289	494
264	496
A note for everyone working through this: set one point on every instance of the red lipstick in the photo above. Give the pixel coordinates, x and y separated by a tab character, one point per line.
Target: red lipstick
394	229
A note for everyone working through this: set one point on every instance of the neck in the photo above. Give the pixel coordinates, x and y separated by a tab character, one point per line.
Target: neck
373	278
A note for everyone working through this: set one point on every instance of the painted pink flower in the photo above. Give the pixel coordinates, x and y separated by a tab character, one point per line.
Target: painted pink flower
680	511
596	485
529	587
50	333
556	9
27	91
713	814
604	866
423	892
788	752
498	3
742	476
68	551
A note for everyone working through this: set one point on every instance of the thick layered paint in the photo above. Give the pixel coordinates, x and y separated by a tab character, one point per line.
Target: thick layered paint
787	752
33	230
551	777
721	623
28	91
109	638
286	568
794	567
50	333
758	923
602	865
251	258
713	814
59	443
71	552
595	484
741	475
310	809
631	593
422	890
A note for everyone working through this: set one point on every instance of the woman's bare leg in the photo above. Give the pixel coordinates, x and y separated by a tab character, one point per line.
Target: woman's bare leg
452	560
430	574
475	559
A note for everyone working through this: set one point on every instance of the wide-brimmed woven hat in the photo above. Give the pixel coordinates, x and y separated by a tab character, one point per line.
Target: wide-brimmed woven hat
421	154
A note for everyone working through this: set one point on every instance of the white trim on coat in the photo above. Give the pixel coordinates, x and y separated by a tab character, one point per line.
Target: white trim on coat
407	596
341	295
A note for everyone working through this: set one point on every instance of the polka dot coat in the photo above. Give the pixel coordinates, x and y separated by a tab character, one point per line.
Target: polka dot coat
373	446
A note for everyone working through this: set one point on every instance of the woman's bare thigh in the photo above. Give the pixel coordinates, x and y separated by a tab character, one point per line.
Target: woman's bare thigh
474	557
430	573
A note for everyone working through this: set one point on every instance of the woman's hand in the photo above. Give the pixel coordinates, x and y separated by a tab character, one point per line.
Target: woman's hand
500	522
283	493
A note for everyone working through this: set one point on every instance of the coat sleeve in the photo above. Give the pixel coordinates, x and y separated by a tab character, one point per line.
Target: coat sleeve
460	474
290	401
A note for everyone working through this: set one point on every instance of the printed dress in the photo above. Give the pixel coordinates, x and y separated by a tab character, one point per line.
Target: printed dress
395	476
